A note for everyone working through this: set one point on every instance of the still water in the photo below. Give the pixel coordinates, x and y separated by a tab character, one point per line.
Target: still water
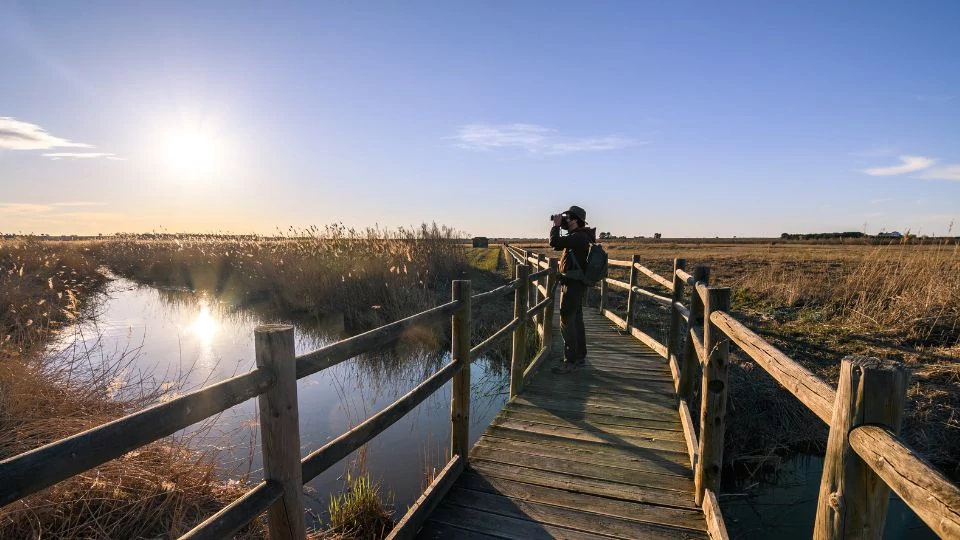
161	338
183	341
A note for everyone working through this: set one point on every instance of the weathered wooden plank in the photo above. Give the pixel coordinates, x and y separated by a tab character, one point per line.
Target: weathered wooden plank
674	517
506	527
433	530
589	401
486	445
711	510
560	405
417	514
592	435
580	484
552	420
591	417
568	518
659	461
605	473
636	391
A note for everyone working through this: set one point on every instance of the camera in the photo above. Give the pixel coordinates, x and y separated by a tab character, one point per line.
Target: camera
564	220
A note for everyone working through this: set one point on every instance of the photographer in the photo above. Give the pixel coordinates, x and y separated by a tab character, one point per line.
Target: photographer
575	246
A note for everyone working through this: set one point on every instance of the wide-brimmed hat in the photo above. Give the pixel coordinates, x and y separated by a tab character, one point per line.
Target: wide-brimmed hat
578	213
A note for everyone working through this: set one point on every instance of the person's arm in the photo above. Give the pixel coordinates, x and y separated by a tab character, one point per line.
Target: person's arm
560	242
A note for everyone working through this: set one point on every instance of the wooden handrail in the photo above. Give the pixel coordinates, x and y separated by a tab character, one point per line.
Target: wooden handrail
684	312
537	275
654	276
687	278
480	298
331	355
486	344
228	521
42	467
615	262
538	308
320	460
807	387
662	299
934	498
617	283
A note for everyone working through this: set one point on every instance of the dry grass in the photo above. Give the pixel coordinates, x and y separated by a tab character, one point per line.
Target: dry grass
371	276
819	303
160	490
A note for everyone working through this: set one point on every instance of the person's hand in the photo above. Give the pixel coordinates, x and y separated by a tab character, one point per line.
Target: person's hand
557	219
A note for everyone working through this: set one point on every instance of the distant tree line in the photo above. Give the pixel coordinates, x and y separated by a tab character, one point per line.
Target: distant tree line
822	236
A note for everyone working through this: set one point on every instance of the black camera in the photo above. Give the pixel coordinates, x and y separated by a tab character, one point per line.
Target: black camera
564	220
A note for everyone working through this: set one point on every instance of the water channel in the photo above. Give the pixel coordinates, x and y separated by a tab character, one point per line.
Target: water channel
184	340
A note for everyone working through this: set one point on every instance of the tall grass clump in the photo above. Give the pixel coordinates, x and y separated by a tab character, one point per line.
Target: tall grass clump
371	275
359	512
159	490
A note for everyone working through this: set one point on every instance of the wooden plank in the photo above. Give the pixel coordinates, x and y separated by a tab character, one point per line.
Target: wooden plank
689	435
711	510
658	461
590	486
673	517
569	518
506	527
655	276
591	435
556	405
588	401
433	530
636	391
553	420
238	514
411	522
605	473
590	417
633	462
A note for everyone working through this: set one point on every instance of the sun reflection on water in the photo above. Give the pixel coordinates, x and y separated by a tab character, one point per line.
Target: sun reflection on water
205	326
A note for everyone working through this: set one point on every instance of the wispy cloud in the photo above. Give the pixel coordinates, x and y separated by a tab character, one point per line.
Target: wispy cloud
908	164
946	172
18	135
534	139
82	155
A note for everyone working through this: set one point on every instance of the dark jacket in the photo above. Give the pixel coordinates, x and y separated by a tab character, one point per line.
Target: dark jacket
578	242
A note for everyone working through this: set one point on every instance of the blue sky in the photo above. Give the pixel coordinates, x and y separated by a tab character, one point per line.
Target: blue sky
685	118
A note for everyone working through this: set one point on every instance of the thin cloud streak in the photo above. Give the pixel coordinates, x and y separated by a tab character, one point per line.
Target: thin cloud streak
82	155
535	139
18	135
946	172
908	164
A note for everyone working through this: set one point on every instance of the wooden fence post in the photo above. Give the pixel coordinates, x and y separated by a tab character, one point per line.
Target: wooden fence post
603	294
460	387
673	337
280	429
853	499
541	260
519	358
631	297
688	367
713	392
548	313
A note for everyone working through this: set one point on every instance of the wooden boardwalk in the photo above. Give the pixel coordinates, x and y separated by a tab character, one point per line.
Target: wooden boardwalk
597	453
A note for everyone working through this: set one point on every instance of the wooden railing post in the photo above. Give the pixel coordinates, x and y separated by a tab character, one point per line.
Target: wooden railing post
548	312
688	367
518	360
460	386
631	297
603	294
853	499
673	337
280	430
713	392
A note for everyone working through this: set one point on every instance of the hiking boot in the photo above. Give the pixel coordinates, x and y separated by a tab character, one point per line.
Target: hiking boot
577	364
562	369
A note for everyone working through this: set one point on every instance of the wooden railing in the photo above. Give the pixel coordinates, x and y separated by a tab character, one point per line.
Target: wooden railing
274	383
865	458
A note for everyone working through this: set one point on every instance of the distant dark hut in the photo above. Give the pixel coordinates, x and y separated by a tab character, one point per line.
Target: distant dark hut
481	241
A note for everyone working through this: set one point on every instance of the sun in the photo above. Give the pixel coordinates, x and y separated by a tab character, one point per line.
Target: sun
191	153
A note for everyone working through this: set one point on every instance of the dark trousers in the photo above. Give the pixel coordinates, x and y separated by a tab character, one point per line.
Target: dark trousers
571	322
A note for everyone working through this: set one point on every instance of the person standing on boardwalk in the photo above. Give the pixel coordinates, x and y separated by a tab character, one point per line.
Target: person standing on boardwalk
573	261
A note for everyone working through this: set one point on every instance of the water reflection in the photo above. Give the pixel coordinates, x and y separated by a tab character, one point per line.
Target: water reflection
170	338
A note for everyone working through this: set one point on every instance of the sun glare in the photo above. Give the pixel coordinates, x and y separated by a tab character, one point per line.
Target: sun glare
191	153
205	325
